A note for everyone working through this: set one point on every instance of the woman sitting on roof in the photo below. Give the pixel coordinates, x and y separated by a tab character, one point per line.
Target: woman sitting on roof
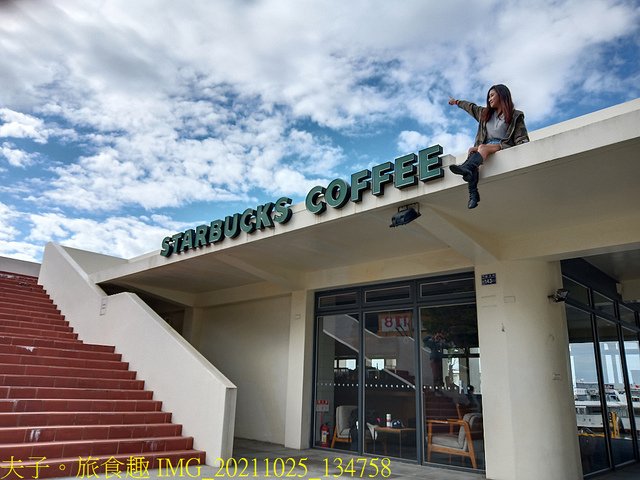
500	126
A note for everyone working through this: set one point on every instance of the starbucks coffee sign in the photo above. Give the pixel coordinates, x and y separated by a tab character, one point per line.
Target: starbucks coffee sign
404	172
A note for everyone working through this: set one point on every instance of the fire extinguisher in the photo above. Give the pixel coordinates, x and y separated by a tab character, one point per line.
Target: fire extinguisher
324	435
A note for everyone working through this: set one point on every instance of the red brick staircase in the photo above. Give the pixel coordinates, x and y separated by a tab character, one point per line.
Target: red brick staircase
69	408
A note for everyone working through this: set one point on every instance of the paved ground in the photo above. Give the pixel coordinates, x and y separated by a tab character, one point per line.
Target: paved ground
322	465
631	472
256	457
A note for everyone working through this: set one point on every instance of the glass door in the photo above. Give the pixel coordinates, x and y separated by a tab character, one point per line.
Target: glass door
451	385
337	380
381	353
390	384
617	410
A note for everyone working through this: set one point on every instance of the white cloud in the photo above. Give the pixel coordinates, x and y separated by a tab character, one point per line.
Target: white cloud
322	71
26	251
20	125
168	103
15	156
412	141
409	141
155	170
543	58
7	228
124	237
12	243
457	143
23	235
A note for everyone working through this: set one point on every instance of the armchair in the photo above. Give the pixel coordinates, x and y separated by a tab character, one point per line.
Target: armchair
458	442
341	430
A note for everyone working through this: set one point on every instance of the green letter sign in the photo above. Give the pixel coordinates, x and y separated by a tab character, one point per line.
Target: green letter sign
403	173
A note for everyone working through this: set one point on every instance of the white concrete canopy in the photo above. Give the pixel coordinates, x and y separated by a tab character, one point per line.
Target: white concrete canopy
573	191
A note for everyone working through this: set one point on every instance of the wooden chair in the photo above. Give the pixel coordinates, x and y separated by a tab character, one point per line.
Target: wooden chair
455	443
341	431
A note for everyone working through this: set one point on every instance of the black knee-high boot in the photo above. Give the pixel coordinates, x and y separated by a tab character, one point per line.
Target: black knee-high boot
474	194
470	165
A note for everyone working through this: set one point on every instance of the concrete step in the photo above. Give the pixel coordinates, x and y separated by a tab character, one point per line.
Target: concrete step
17	278
45	370
24	392
36	332
59	352
18	405
69	382
35	419
25	317
11	310
14	295
28	306
30	341
35	324
88	432
34	295
25	359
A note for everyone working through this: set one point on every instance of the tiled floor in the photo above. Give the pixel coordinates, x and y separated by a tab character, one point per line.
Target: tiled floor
631	472
317	463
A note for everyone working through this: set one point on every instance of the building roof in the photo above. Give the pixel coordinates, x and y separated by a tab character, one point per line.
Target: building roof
573	191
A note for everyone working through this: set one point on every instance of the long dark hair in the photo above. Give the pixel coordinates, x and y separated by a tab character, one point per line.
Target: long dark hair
505	100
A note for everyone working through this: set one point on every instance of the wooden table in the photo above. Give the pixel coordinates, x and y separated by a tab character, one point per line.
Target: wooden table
393	431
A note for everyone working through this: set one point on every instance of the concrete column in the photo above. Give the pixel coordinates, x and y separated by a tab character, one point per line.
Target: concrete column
299	373
528	409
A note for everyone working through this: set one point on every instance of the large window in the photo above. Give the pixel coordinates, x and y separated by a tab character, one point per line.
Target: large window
390	383
605	365
402	361
337	379
632	360
451	384
616	407
586	392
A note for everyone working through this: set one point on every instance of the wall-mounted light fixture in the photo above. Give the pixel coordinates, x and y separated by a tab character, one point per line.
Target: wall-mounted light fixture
406	214
560	295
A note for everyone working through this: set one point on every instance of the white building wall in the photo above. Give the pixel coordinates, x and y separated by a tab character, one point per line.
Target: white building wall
249	343
529	416
198	395
300	373
19	266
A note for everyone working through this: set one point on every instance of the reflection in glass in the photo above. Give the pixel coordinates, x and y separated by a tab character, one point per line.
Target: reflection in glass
628	316
603	304
614	390
452	389
586	393
388	294
577	292
390	392
632	356
448	287
337	373
337	300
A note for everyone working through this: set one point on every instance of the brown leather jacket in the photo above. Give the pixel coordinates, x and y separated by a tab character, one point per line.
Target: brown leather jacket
516	131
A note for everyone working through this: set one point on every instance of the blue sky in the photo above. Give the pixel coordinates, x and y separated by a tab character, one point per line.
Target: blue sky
122	122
